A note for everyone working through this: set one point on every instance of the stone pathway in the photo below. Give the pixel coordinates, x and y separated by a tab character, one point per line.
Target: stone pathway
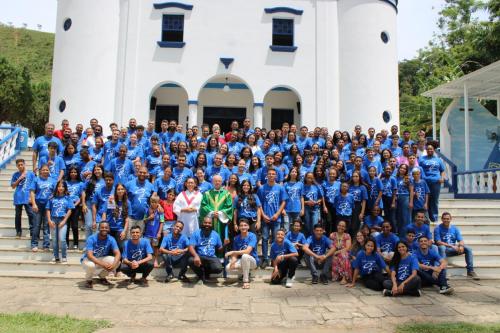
226	306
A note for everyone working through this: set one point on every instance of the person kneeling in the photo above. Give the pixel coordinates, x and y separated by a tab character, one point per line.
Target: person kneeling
432	266
244	256
318	254
369	265
404	279
284	260
203	246
174	250
137	256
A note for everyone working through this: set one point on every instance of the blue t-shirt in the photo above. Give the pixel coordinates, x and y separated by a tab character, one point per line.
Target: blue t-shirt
403	187
171	243
358	192
405	268
285	248
319	246
368	264
22	191
388	186
75	189
180	176
100	247
244	209
122	169
331	190
312	193
41	146
421	189
271	198
100	199
296	237
55	164
423	230
110	152
449	235
154	164
73	160
116	223
344	204
206	246
387	244
43	189
205	187
432	258
371	221
139	197
240	243
262	175
162	186
432	166
294	191
137	251
221	171
59	206
151	227
86	167
375	187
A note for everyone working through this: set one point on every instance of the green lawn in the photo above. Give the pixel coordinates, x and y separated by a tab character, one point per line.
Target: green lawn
449	328
43	323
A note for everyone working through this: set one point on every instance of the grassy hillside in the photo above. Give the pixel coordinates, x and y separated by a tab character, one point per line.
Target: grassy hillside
30	48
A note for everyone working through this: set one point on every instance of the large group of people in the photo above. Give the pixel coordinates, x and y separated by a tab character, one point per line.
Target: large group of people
350	206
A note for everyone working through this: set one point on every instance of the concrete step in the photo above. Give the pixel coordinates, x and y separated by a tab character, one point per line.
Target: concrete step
23	254
471	212
481	258
11	232
25	242
468	202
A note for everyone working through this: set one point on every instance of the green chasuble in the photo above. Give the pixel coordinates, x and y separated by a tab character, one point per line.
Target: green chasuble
222	202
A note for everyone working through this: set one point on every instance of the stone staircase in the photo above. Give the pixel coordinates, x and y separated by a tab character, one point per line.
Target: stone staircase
478	220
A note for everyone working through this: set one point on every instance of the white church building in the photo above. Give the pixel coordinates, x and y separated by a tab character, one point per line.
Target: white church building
326	63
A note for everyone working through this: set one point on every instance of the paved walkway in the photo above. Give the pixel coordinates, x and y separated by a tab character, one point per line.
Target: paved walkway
226	306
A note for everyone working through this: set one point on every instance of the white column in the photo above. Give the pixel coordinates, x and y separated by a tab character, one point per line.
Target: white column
434	129
192	113
466	137
257	114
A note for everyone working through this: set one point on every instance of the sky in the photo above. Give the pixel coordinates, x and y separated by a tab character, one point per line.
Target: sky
416	20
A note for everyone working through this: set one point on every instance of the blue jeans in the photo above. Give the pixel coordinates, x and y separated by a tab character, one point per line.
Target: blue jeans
40	222
449	252
58	234
311	217
19	211
176	261
435	190
272	227
429	280
88	219
292	216
403	215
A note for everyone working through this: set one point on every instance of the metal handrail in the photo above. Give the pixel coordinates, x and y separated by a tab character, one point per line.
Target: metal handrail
454	175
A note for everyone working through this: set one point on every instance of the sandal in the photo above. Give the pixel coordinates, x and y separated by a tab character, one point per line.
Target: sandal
246	285
343	282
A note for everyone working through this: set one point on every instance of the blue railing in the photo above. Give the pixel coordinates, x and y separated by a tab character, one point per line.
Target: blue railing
9	146
451	173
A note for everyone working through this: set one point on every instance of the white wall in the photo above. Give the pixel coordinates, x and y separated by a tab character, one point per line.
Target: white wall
280	100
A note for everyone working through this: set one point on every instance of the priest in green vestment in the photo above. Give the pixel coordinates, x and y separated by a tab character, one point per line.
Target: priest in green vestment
218	204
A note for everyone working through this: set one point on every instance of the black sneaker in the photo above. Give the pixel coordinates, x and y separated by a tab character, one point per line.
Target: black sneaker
386	293
323	279
315	280
19	234
264	264
183	278
446	290
169	278
473	275
89	284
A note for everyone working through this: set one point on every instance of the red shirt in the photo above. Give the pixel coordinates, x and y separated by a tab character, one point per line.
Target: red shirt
168	211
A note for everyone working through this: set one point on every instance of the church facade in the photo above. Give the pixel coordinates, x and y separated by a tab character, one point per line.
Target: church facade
321	63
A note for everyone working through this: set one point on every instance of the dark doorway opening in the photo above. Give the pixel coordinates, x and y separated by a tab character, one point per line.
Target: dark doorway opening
223	116
166	112
280	116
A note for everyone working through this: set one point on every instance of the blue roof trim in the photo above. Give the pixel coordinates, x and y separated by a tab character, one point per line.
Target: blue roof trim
227	61
172	5
393	3
283	10
192	102
175	45
170	85
281	89
280	48
258	104
217	85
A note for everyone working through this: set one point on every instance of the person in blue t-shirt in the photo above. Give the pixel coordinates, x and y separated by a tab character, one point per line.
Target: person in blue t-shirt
247	205
389	194
21	183
174	251
421	193
344	205
386	242
433	168
331	188
284	260
359	192
450	243
294	205
117	213
139	191
137	256
273	199
41	144
203	247
420	229
296	237
75	189
404	278
369	267
55	162
318	252
432	266
243	256
374	221
40	192
153	227
312	201
180	173
58	211
121	166
101	256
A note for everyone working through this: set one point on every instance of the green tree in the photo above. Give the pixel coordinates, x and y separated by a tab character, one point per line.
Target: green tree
15	91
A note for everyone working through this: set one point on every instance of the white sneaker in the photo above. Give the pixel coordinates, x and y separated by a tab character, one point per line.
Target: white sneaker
64	261
289	282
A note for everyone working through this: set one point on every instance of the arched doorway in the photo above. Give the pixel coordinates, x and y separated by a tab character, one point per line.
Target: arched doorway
223	99
281	104
169	101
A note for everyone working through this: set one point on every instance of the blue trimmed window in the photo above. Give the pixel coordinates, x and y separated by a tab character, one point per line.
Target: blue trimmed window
283	35
172	28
